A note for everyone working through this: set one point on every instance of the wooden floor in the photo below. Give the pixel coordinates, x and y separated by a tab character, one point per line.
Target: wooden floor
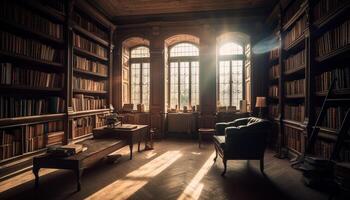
176	169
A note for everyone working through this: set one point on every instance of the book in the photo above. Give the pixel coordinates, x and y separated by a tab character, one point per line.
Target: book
89	65
81	102
295	87
295	61
294	112
87	84
92	47
89	25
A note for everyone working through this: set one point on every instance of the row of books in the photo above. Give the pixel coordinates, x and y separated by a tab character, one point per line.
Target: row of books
274	54
334	39
11	11
13	75
55	138
325	7
89	26
324	80
295	32
274	72
293	138
58	5
82	102
87	84
295	61
333	118
273	91
323	149
89	65
19	107
292	9
101	120
273	110
82	126
295	87
17	45
88	45
11	142
294	112
34	137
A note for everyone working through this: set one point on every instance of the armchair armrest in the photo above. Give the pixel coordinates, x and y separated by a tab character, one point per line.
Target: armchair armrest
239	122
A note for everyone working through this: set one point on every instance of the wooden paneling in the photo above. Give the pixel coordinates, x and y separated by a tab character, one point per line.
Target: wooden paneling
150	7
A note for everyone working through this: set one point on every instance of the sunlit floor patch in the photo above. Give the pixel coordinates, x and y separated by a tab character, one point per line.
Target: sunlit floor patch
195	187
21	179
124	188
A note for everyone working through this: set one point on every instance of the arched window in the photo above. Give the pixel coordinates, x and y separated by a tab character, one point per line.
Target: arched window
140	76
183	75
230	74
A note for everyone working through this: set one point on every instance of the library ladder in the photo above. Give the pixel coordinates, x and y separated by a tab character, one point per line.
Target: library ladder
342	132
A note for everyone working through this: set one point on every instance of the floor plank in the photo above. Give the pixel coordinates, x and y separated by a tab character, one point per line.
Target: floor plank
176	169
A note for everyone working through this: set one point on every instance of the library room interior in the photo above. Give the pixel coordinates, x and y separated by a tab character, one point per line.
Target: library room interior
175	99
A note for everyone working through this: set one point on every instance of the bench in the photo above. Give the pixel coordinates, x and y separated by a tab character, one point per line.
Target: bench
97	149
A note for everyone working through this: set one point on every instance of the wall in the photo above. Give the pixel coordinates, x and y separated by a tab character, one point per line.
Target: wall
207	31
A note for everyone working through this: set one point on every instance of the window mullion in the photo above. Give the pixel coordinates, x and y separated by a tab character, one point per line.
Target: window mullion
178	85
190	83
141	66
231	87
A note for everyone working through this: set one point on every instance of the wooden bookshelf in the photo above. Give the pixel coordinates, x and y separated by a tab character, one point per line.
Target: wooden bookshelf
98	25
314	70
61	64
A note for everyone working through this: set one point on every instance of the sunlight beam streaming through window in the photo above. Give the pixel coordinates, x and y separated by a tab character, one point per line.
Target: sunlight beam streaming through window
124	188
195	187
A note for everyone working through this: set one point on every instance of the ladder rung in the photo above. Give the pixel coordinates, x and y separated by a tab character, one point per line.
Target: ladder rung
338	100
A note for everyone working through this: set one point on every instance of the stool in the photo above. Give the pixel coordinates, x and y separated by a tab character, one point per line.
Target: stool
204	131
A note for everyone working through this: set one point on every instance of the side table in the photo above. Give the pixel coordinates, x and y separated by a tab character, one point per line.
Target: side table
204	131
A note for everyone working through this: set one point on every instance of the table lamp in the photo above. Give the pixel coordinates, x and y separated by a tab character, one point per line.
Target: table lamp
260	103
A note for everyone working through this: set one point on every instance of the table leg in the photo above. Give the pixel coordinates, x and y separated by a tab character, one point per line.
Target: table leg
36	174
79	173
131	146
138	147
199	140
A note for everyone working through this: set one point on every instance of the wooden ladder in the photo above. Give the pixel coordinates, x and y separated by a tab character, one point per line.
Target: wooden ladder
342	132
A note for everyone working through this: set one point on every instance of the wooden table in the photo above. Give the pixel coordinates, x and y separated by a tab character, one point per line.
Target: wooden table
204	131
131	136
96	150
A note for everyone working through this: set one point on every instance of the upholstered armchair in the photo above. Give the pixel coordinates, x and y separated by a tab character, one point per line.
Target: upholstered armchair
242	139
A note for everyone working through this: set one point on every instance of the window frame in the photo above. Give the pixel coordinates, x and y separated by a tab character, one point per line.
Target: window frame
178	60
140	61
230	58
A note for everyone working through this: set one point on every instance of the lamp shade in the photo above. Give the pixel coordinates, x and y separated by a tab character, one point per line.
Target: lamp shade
260	102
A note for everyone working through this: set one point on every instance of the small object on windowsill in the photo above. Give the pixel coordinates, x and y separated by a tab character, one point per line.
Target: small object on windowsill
140	108
193	108
231	109
222	109
185	109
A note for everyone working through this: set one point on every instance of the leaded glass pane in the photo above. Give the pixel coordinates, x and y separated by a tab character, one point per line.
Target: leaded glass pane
231	49
224	83
184	49
194	83
174	84
184	84
237	82
140	52
135	83
146	84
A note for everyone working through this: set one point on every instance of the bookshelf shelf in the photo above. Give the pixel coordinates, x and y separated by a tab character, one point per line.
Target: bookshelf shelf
299	96
298	70
79	71
21	88
29	59
89	92
38	35
333	54
296	43
46	10
328	19
17	121
293	124
24	155
90	35
87	113
295	17
89	54
345	91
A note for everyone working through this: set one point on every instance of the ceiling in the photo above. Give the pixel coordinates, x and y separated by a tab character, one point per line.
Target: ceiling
122	9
